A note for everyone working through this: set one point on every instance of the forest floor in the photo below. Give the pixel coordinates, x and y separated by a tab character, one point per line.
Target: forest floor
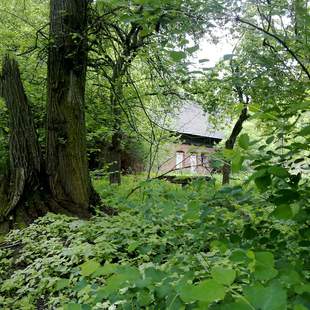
201	246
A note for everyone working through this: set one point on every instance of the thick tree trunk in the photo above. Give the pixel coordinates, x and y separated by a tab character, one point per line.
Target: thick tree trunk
31	189
23	180
230	142
66	135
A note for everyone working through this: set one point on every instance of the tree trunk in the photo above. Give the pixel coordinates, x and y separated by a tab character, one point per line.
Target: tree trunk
230	142
115	158
23	180
116	98
30	188
66	134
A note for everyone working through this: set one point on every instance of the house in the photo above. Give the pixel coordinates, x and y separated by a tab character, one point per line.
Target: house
197	139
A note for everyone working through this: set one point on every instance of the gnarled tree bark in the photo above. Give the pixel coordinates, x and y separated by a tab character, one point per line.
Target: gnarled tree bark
25	171
66	137
61	183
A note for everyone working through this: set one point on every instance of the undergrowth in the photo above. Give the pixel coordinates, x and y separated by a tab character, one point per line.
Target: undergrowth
197	247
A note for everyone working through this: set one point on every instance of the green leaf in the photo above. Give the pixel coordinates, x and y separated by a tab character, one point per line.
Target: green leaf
278	171
236	163
144	298
202	305
126	275
113	284
154	274
73	306
272	297
222	275
238	305
284	196
228	153
205	291
259	173
299	106
238	256
177	55
300	307
62	283
290	277
305	131
209	291
254	107
188	293
132	246
244	141
283	212
175	303
270	139
89	267
263	182
105	270
193	211
264	266
302	288
129	273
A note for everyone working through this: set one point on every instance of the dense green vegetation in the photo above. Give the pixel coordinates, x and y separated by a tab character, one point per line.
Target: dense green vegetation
112	74
168	248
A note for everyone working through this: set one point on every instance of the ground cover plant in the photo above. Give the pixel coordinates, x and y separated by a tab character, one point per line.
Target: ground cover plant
196	247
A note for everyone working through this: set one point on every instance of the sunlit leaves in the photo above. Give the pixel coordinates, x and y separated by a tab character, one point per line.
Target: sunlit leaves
223	275
236	163
89	267
61	284
205	291
244	141
107	269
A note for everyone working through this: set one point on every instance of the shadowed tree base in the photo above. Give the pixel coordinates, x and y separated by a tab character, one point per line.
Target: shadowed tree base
36	204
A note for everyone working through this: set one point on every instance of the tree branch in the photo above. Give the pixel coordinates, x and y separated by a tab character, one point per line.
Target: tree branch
279	40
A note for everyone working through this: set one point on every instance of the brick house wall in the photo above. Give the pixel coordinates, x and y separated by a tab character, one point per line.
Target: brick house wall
198	137
187	158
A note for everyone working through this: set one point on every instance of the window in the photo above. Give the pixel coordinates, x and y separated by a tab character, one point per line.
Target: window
179	160
193	161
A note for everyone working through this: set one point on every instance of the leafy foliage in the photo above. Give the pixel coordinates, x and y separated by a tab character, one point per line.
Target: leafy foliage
203	246
170	248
